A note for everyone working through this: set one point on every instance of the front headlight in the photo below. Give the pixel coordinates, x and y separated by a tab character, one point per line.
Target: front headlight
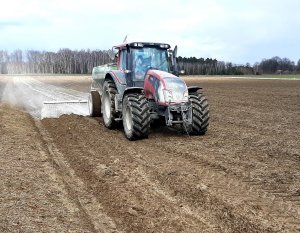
168	95
186	95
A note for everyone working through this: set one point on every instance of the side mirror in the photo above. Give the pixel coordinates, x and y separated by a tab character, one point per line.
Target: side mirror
112	53
175	51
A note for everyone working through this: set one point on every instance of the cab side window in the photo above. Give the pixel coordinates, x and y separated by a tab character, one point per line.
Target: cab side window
155	84
123	54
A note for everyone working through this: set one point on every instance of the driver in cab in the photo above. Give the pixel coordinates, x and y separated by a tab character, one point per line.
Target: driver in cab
140	67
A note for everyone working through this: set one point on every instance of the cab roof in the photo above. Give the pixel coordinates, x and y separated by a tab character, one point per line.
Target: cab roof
142	44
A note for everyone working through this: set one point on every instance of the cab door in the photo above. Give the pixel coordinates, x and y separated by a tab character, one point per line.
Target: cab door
124	66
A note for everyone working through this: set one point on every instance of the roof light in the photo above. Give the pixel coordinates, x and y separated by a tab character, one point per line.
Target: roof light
164	46
138	45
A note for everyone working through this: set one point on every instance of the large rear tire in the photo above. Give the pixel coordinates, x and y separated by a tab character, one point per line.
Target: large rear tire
200	114
108	104
95	104
136	116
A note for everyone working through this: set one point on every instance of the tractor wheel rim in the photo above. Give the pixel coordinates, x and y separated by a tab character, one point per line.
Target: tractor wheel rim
90	104
128	119
107	106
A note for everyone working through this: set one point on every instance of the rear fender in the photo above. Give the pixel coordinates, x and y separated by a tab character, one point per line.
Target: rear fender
119	80
118	77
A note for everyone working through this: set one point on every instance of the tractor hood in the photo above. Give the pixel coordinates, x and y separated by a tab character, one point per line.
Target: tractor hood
161	74
165	87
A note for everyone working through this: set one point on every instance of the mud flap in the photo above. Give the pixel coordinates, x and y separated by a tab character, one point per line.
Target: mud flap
54	109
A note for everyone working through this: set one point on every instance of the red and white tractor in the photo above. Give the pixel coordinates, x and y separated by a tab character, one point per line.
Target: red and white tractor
143	88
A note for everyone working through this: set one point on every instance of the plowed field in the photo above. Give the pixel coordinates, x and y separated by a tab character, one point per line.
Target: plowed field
71	174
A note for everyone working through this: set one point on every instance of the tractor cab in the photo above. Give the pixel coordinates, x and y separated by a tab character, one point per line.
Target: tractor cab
136	58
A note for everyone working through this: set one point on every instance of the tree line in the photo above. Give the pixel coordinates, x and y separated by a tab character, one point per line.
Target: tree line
201	66
66	61
208	66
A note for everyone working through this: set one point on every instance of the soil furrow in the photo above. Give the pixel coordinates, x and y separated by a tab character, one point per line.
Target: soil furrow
73	174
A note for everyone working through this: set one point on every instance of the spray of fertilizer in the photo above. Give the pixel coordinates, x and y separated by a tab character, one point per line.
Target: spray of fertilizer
43	100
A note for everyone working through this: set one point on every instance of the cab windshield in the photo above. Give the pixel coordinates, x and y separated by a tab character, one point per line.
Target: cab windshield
146	58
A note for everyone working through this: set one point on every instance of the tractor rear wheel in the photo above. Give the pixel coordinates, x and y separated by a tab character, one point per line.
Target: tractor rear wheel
95	104
136	116
108	104
200	114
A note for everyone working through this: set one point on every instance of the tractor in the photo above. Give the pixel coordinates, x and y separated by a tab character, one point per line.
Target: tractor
142	88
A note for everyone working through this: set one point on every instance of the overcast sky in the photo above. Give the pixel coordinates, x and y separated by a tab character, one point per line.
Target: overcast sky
239	31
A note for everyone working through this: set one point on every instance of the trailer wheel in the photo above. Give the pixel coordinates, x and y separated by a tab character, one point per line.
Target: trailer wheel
136	116
95	104
200	114
108	104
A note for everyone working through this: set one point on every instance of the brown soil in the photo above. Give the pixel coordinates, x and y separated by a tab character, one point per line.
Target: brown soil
73	175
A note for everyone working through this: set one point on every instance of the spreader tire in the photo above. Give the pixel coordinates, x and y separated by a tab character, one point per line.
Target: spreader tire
200	114
136	116
95	104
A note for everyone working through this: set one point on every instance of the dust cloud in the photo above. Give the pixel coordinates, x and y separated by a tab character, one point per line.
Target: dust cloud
44	100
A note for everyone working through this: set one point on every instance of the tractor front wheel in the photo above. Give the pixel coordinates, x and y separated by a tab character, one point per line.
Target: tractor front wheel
136	116
200	114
